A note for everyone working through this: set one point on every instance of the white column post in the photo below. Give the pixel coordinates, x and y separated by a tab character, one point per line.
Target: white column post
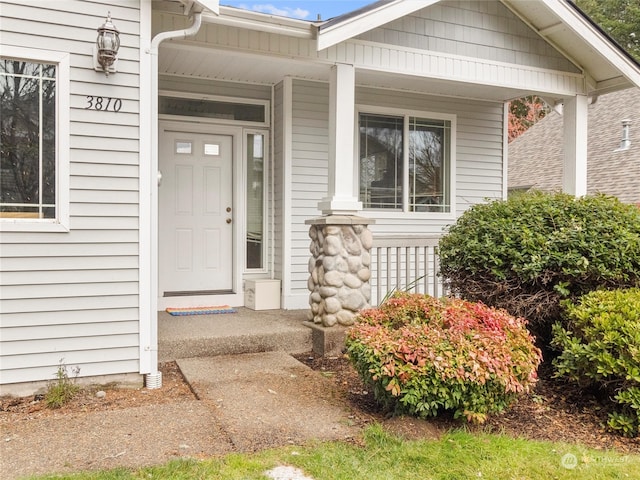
341	196
574	178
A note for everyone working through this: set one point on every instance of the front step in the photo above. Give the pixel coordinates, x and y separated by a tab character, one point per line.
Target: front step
246	331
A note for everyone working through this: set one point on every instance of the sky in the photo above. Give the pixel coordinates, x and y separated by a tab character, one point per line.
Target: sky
301	9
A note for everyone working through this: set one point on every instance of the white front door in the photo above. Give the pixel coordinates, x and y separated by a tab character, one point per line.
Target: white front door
195	214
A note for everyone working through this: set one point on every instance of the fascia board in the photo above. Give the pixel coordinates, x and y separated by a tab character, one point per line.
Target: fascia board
595	39
350	27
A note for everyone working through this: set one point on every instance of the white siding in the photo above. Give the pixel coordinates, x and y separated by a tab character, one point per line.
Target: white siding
483	29
478	163
74	296
310	138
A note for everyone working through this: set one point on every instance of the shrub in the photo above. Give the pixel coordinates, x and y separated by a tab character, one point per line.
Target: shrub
423	356
601	348
528	253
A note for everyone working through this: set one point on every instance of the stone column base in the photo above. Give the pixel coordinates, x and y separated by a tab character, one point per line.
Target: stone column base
339	268
327	341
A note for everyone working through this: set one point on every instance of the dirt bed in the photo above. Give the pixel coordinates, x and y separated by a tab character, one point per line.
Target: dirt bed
555	411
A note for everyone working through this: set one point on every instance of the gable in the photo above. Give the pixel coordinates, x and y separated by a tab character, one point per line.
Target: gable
604	66
481	29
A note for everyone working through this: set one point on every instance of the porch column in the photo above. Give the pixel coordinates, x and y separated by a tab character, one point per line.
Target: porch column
574	180
342	196
339	268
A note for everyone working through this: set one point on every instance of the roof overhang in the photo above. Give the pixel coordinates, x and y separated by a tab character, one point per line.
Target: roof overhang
562	24
262	22
606	66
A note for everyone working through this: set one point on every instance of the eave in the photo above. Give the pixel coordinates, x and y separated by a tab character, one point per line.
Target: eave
606	66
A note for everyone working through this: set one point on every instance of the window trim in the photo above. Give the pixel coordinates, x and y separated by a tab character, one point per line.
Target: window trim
389	214
62	61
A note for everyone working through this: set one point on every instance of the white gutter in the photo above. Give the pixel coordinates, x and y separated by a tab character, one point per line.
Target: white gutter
154	378
233	17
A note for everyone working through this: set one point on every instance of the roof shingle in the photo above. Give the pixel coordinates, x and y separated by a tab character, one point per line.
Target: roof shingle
535	158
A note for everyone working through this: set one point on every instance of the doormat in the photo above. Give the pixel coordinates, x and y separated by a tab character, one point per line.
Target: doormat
201	310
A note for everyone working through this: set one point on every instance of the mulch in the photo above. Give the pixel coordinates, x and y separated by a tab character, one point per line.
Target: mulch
553	411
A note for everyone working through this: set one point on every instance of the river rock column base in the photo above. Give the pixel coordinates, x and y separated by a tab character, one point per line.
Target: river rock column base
339	268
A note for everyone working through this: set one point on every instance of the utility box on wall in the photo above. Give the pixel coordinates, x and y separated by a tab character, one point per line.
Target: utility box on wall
262	294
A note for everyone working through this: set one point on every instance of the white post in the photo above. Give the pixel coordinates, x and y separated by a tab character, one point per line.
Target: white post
574	179
341	196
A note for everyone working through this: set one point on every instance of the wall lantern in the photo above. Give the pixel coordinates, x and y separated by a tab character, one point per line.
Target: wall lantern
106	48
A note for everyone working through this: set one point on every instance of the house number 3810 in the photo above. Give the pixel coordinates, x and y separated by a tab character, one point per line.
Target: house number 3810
103	104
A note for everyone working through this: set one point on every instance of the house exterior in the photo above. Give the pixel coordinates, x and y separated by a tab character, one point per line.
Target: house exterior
224	138
613	155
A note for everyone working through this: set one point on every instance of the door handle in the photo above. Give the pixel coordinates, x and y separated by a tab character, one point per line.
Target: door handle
228	220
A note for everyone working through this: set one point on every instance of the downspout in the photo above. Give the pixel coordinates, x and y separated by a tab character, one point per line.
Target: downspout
154	379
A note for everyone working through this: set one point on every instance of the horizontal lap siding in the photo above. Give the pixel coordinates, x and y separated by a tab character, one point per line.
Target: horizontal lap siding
308	171
478	161
74	296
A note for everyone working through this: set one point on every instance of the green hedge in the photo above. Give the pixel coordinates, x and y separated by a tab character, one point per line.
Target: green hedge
528	253
423	356
601	348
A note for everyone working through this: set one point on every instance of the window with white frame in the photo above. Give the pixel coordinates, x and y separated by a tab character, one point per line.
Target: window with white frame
33	137
405	162
256	147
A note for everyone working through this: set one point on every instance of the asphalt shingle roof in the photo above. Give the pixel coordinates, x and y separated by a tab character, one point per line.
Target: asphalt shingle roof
535	158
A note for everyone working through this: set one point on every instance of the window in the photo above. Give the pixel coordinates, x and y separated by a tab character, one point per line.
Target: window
405	162
255	190
218	108
33	140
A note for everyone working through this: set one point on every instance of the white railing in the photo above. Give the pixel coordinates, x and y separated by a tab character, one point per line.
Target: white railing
404	262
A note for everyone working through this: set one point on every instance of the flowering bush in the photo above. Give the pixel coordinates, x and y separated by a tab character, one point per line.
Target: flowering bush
423	356
601	348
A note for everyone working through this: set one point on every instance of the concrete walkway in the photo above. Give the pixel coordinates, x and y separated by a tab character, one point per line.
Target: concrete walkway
246	402
268	399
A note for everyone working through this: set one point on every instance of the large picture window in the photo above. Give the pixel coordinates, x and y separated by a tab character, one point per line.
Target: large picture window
405	162
30	141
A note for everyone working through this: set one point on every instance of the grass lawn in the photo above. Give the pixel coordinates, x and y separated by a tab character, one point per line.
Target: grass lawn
457	455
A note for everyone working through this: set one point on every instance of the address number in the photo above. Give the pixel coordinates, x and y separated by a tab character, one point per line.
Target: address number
103	104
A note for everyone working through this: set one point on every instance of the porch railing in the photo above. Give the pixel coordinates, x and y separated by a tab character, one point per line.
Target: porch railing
405	262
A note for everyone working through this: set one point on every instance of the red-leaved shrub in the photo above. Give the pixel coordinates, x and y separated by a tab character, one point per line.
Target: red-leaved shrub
423	356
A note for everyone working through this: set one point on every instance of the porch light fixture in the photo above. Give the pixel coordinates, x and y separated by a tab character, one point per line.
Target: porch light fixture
106	48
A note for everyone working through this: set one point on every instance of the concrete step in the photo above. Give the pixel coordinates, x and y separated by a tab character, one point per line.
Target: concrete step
246	331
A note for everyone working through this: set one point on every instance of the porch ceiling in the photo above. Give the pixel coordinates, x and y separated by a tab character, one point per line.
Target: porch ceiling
193	60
